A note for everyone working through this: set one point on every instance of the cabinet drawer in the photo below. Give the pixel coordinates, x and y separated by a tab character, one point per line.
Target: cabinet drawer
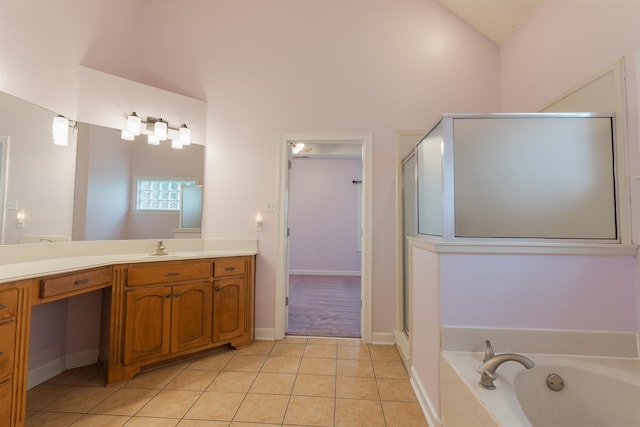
75	281
7	346
8	304
228	267
167	273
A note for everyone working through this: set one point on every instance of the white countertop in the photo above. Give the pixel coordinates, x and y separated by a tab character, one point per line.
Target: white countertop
18	262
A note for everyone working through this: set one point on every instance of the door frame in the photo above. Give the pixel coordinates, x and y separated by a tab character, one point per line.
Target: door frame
282	266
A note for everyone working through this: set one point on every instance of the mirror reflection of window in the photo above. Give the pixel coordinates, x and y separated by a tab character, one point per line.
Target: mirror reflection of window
191	206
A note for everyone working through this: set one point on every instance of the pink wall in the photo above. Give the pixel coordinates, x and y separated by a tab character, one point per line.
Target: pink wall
265	68
565	43
323	211
539	291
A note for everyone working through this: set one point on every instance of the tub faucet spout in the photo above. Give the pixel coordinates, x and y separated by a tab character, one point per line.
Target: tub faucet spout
488	368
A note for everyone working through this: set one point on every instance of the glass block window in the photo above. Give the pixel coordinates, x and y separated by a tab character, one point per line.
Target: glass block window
160	194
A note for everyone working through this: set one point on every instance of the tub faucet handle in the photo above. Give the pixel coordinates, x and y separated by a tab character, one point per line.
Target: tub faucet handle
488	351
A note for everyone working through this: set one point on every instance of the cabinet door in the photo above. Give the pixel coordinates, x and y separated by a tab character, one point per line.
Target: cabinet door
229	298
147	323
5	403
191	316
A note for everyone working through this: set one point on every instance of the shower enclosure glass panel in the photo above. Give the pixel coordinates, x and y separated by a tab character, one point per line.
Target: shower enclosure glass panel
430	183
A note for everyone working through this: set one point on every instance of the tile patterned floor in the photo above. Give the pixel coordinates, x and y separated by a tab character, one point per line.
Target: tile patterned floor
293	382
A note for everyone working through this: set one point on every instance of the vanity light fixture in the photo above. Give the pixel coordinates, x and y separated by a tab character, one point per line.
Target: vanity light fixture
297	147
60	130
160	129
156	130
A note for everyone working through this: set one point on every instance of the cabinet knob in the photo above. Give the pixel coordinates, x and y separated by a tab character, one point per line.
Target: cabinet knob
217	288
177	294
167	296
1	353
2	307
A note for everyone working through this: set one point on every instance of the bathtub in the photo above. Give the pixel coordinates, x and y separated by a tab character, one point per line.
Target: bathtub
598	392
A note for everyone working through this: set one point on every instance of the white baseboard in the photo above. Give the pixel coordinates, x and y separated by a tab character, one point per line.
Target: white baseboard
402	343
432	416
265	334
325	273
49	370
382	338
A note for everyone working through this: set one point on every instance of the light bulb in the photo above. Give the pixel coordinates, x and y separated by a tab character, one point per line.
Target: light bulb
134	124
152	139
124	134
60	130
176	144
297	147
160	130
185	135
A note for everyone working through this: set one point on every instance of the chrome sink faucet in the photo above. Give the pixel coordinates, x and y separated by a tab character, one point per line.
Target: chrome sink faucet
491	362
160	249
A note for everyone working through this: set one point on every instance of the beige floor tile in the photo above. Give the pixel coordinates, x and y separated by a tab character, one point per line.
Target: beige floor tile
214	362
81	400
319	350
79	376
157	378
384	369
202	423
233	382
293	340
365	413
357	388
315	385
192	379
349	341
170	404
404	414
245	363
288	350
388	353
317	366
259	348
243	424
216	406
262	408
91	420
283	365
323	341
396	390
355	368
269	383
45	394
355	352
152	422
125	401
310	411
51	419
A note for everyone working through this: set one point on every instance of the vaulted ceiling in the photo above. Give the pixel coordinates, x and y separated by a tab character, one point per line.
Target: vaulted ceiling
496	19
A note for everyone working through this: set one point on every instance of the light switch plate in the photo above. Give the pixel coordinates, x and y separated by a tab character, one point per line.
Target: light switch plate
269	205
12	204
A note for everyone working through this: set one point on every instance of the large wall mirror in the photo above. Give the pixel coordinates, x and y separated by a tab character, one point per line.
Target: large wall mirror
89	189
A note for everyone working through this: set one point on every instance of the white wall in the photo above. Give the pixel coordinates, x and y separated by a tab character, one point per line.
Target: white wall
323	215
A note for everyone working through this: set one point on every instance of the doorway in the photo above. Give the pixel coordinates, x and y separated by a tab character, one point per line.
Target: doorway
324	297
320	150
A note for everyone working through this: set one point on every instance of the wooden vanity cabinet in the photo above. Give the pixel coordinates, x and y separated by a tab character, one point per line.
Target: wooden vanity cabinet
14	327
172	309
167	319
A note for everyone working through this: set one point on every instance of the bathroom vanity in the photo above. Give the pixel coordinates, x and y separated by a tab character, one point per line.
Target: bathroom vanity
154	310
